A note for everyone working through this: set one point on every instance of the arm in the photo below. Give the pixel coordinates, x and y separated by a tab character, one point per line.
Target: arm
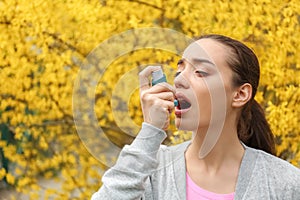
135	164
138	161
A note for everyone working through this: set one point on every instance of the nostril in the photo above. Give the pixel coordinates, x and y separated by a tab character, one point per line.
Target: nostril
180	81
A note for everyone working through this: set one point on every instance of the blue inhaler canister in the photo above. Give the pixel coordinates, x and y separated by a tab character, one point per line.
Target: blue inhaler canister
158	77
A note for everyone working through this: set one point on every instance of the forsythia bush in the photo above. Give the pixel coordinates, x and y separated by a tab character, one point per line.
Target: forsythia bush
43	44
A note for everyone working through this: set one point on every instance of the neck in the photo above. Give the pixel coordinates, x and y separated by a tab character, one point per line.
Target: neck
226	149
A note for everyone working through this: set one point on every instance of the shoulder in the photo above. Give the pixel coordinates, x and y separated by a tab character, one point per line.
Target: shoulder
277	170
264	176
179	148
172	154
277	164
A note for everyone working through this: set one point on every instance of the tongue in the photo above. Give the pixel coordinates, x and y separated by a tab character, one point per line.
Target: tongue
184	105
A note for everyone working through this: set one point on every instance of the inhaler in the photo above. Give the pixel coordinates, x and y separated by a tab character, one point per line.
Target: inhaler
158	76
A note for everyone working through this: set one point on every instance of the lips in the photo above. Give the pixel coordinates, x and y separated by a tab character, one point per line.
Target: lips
184	104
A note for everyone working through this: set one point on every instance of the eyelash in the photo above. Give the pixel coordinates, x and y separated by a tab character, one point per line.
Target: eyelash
202	73
177	73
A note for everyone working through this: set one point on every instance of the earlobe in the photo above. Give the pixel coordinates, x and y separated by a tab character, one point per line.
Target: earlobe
242	95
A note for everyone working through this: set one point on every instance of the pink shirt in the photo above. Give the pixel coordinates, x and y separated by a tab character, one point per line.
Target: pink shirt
194	192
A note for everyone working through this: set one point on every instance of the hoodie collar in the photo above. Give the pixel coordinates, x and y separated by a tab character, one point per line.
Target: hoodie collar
179	167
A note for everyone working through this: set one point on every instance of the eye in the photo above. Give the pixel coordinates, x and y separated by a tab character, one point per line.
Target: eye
180	62
177	73
201	73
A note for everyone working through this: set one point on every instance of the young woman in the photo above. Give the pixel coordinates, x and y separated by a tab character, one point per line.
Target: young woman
230	154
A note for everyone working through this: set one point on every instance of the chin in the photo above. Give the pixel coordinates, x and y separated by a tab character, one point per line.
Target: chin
186	124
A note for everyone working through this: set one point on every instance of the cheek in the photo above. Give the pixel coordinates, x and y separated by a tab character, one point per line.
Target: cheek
203	99
212	100
219	101
205	108
201	111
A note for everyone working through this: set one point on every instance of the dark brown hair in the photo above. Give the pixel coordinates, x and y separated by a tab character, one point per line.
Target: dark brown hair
253	128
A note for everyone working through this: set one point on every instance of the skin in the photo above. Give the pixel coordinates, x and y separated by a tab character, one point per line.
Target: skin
199	82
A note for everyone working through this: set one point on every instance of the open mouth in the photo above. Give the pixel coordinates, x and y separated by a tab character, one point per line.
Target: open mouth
183	104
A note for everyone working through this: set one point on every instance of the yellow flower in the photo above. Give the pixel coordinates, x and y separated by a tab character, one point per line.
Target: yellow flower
2	173
10	178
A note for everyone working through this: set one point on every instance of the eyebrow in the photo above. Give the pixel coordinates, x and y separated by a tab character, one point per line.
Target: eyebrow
196	60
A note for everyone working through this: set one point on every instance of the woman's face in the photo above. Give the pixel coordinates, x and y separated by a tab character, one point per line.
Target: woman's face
203	86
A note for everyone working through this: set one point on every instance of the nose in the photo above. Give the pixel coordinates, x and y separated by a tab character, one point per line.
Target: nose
181	81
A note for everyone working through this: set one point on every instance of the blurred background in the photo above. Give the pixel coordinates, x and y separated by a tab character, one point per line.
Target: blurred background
43	44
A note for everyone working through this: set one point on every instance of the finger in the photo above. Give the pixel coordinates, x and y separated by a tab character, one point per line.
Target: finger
169	96
166	125
162	87
144	76
168	106
161	106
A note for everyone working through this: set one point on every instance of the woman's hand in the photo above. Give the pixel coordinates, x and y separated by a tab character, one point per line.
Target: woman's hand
157	101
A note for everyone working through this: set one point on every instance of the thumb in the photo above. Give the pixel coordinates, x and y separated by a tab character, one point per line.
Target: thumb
144	76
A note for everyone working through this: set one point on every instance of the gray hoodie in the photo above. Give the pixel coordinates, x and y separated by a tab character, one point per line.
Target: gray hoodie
148	170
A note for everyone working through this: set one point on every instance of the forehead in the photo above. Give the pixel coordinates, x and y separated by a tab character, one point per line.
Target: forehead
208	49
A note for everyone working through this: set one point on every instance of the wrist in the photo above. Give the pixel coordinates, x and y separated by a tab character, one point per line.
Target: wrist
149	138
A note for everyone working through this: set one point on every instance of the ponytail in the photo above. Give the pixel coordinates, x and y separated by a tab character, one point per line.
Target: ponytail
254	130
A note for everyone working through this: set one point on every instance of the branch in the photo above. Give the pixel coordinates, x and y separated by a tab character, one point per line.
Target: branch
5	22
162	15
147	4
70	46
9	96
59	108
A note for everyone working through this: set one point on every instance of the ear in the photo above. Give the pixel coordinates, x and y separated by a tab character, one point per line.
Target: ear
242	95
